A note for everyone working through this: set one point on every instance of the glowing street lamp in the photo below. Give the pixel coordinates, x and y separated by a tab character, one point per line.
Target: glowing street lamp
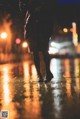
24	44
25	47
65	30
4	35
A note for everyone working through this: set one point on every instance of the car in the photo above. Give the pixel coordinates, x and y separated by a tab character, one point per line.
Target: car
61	44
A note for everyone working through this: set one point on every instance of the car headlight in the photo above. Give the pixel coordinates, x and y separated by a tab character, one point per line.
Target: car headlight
53	50
53	44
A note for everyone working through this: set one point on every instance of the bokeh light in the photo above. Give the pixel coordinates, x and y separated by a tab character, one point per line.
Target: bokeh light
65	30
4	35
18	40
24	44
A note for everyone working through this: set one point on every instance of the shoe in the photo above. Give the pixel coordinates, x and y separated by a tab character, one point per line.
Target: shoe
49	77
40	79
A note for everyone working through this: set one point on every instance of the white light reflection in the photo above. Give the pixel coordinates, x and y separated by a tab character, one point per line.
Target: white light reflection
6	92
55	67
57	97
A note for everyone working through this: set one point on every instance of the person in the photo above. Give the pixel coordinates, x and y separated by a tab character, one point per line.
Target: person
37	29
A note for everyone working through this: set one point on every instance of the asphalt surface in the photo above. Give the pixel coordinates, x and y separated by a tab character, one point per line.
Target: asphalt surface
24	98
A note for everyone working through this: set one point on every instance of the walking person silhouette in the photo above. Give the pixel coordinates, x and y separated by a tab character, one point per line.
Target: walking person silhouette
37	29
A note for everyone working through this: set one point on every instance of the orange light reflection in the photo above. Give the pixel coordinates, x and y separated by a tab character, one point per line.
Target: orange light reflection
6	91
77	73
67	77
32	104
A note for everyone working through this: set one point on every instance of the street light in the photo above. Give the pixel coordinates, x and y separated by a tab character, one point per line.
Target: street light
65	30
4	35
24	44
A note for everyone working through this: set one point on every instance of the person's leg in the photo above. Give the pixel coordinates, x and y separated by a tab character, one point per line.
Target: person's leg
37	64
49	75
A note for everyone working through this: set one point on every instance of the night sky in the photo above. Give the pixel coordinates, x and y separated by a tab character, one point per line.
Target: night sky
62	10
64	14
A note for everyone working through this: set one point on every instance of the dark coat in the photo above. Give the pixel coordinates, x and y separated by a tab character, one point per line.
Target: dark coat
39	26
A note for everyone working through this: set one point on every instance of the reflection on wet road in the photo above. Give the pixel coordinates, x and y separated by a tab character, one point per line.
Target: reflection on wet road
25	98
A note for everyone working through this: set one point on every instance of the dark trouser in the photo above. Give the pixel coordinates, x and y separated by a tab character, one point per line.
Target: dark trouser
37	61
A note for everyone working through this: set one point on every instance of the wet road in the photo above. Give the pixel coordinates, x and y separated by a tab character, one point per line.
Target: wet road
25	98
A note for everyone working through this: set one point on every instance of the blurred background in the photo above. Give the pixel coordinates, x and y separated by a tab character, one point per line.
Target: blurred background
66	28
20	93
